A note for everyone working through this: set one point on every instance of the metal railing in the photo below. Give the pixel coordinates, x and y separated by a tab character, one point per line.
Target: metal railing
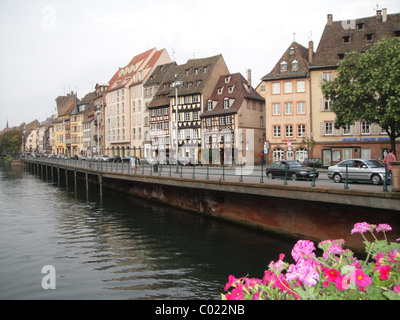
242	174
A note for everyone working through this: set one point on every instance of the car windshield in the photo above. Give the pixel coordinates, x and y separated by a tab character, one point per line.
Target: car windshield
374	164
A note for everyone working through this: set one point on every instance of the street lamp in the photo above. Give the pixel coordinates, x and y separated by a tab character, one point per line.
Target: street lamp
98	129
177	84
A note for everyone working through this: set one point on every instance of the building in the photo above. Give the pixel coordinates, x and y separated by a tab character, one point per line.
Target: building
125	110
287	94
99	122
198	78
233	108
340	37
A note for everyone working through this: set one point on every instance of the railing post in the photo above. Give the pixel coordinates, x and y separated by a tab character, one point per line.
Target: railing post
262	173
385	188
285	181
208	173
223	172
346	183
313	179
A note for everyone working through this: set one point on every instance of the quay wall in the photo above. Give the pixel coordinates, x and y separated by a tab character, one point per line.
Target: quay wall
300	212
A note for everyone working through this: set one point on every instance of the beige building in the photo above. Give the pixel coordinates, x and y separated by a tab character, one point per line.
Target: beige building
233	122
340	37
125	111
287	93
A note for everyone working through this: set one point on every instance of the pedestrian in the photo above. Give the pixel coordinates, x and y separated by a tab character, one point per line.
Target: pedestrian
132	162
389	158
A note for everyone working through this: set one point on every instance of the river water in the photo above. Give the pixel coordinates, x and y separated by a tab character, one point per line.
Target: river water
119	247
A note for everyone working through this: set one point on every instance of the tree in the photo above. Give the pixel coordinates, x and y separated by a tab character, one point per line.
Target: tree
367	88
11	141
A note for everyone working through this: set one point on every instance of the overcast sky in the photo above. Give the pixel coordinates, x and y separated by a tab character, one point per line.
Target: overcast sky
48	48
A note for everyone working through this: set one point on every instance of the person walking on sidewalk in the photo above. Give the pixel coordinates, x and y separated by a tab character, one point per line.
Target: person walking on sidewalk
389	158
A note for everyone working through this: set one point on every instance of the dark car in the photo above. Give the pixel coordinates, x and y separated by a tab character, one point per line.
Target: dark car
115	159
290	169
313	162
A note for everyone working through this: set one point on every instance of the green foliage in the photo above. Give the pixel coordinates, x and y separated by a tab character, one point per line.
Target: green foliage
10	141
367	88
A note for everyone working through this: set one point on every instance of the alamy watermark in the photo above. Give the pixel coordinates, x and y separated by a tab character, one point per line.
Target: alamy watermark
48	17
49	280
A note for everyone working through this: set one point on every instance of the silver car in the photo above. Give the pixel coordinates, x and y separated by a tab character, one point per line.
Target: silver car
358	170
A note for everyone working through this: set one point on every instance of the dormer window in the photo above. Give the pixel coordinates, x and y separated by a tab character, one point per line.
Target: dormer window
360	26
227	79
346	39
209	105
220	90
295	65
284	66
230	89
226	104
291	51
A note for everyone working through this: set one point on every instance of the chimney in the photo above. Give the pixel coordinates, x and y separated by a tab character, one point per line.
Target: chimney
330	19
384	15
310	51
249	77
378	14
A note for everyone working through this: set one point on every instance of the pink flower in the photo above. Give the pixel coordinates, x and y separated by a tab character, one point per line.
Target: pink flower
383	227
394	255
279	265
360	278
231	282
384	271
342	282
396	289
236	294
331	274
360	227
303	249
304	271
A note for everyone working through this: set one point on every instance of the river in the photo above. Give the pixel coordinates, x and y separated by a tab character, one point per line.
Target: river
119	247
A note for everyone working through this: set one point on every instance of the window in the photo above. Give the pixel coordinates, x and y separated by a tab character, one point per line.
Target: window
195	98
208	122
209	105
346	39
228	119
288	131
295	65
278	154
301	86
301	107
227	79
288	87
301	130
261	121
276	109
277	131
196	116
230	89
187	99
276	88
283	66
327	105
346	129
365	128
226	104
288	108
328	128
360	26
327	76
187	116
368	37
222	121
166	111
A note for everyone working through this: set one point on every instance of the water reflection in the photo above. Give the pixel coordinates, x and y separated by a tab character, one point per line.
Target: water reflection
123	248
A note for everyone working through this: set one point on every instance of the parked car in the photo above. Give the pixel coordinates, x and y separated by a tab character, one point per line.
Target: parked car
126	159
114	159
149	160
313	162
293	169
358	170
184	161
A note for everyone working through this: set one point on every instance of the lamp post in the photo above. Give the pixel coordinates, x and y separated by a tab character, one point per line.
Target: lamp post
98	129
177	84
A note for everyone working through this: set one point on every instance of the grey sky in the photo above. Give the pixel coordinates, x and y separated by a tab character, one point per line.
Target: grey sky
48	48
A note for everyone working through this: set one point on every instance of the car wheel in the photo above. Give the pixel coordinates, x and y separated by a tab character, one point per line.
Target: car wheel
293	176
269	175
337	178
376	179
